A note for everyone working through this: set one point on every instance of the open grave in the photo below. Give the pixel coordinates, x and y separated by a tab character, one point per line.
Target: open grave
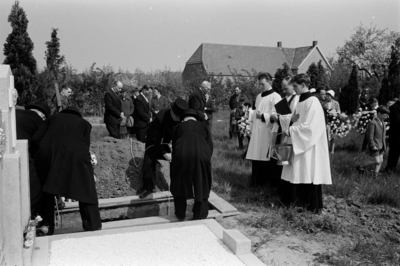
119	177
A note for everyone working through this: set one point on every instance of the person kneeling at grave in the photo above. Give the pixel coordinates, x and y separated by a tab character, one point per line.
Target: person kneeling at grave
64	167
159	135
192	149
28	122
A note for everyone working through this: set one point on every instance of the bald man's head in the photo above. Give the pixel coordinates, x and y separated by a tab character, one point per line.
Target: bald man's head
206	86
118	86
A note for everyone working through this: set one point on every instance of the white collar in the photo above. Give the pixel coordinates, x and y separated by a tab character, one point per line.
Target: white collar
189	118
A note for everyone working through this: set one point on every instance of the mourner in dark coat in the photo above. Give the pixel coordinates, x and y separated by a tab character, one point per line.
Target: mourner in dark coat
394	137
142	114
192	149
209	109
63	164
159	135
28	122
197	100
113	113
235	103
127	108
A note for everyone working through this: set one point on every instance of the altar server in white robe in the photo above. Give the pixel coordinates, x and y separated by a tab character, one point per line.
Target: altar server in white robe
261	133
309	166
292	99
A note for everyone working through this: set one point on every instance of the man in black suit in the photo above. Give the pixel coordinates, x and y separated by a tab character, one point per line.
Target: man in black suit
158	136
394	139
28	122
197	100
142	114
113	113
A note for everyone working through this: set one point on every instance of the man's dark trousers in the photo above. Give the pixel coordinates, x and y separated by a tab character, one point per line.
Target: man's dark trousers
149	168
141	134
113	130
393	158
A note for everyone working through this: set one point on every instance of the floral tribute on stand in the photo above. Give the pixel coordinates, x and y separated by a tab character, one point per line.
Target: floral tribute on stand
362	119
338	124
244	127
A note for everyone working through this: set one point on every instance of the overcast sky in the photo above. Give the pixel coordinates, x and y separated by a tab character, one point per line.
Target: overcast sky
152	34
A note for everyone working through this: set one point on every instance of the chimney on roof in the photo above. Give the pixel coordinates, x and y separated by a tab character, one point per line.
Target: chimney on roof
279	44
314	43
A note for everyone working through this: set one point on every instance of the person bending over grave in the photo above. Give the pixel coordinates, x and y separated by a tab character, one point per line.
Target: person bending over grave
309	166
376	139
28	122
159	135
192	149
63	164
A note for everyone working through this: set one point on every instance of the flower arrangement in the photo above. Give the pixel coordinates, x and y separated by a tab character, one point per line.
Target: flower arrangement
362	119
244	127
30	229
15	96
93	160
2	142
338	124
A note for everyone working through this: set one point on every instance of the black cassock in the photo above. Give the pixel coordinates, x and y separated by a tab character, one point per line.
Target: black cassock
192	149
63	164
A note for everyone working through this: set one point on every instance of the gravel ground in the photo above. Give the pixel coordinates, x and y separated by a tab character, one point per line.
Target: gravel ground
190	245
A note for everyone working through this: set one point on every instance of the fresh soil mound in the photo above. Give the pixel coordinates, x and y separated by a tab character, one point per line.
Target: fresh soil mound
119	173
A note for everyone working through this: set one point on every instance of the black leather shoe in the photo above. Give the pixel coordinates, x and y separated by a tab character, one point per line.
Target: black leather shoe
360	170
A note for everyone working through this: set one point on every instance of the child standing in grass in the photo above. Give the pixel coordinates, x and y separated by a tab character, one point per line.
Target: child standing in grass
376	141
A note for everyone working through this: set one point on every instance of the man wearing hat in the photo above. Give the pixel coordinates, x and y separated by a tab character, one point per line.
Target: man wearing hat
28	122
159	135
64	166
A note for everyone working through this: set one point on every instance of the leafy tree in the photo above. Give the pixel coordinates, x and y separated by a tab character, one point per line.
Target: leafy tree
369	49
280	74
391	84
349	95
339	75
18	54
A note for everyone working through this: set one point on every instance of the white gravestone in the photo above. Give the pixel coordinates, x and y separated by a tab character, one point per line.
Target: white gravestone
14	168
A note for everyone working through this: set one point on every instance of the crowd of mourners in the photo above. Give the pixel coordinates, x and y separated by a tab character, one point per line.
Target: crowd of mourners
181	132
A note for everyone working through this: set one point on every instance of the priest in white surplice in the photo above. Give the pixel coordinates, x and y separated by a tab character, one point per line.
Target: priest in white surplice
309	166
261	133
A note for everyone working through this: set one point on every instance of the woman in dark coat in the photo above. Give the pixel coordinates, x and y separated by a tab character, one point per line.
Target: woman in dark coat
63	164
192	149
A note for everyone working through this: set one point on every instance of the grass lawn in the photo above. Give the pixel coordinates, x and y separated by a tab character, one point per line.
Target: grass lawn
363	210
359	225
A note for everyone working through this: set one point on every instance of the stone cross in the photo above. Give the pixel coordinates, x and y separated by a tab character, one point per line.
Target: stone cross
14	179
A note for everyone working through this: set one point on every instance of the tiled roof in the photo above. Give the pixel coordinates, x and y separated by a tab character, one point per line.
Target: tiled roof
221	59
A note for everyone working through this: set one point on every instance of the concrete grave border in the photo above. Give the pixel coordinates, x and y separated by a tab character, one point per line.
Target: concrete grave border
233	239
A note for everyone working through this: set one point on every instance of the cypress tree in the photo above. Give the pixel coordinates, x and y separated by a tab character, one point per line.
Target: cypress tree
390	88
349	96
313	72
18	54
53	58
322	81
